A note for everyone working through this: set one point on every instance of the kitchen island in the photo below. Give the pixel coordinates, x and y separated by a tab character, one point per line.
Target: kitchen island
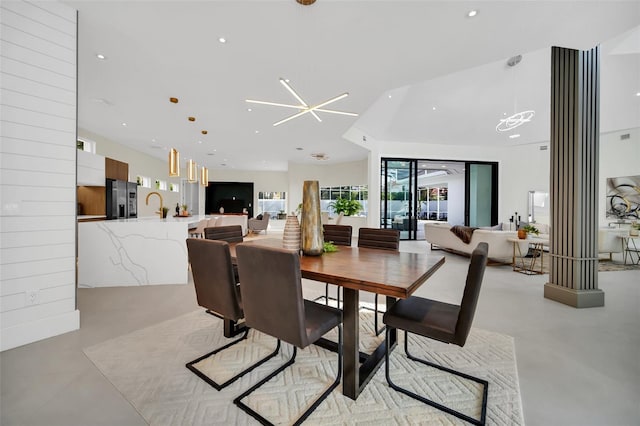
133	252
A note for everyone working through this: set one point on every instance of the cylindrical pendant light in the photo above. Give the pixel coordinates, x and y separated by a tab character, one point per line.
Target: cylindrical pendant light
192	171
204	176
174	162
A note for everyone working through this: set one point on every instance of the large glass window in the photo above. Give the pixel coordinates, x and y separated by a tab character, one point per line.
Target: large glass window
328	194
274	203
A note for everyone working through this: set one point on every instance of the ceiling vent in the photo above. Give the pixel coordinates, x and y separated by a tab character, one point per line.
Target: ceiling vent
543	147
625	136
320	156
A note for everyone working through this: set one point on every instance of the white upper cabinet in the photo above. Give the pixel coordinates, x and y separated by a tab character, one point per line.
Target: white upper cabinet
90	169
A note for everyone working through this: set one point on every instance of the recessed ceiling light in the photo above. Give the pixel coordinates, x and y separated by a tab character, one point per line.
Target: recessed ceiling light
389	96
153	140
514	136
199	141
637	93
124	124
101	56
249	109
472	13
444	166
257	131
434	108
222	40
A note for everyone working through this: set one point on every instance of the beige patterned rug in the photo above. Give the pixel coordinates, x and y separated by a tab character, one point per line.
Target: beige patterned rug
147	367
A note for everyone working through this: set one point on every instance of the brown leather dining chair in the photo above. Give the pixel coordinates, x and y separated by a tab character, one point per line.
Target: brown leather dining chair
384	239
228	233
216	290
443	322
339	235
273	304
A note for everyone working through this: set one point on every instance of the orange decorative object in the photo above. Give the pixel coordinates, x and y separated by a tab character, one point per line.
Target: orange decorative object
522	234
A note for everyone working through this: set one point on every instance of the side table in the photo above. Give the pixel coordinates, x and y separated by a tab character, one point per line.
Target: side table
629	248
536	245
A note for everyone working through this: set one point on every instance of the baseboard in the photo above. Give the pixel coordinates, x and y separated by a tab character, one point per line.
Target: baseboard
43	328
575	298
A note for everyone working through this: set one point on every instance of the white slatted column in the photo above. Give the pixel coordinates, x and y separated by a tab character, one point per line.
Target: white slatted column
575	116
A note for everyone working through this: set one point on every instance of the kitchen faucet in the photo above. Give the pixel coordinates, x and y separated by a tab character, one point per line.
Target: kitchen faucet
159	196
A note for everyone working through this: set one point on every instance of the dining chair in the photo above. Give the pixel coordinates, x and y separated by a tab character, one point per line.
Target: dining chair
198	231
228	233
384	239
339	235
273	304
216	290
443	322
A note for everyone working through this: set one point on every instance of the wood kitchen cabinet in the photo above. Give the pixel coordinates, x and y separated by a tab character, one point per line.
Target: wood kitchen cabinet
114	169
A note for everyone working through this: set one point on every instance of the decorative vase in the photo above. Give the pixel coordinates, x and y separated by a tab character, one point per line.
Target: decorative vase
221	210
311	225
522	234
291	234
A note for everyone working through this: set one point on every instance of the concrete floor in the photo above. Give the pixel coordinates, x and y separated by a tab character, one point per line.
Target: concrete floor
576	367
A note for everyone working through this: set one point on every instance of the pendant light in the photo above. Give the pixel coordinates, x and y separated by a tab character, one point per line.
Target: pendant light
204	176
192	171
174	162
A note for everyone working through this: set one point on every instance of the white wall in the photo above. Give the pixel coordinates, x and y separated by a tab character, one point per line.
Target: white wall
37	172
144	165
522	168
617	158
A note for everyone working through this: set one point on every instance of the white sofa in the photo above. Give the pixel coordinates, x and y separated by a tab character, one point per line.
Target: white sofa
500	248
609	242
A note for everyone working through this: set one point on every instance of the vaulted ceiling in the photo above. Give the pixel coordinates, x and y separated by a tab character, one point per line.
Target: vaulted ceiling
419	71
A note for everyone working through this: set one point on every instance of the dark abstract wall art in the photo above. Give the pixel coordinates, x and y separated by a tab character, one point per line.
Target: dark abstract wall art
623	197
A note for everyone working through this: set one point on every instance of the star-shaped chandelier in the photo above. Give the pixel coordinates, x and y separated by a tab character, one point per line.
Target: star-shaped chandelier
304	108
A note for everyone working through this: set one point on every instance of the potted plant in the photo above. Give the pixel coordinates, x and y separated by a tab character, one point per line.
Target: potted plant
345	206
185	211
165	210
527	229
282	215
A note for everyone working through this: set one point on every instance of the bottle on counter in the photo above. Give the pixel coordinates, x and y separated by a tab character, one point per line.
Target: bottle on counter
177	209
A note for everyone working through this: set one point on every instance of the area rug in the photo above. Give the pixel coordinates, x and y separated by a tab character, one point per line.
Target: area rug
148	368
604	265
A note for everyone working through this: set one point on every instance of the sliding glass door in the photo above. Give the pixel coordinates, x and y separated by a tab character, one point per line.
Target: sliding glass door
481	200
398	181
413	192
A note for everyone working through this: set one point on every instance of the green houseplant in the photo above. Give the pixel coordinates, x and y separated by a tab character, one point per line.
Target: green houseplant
345	206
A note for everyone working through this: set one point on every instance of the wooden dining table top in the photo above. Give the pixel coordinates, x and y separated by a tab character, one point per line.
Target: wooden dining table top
386	272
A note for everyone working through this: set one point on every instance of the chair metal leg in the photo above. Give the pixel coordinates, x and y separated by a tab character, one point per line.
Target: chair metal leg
420	398
375	316
310	410
218	386
327	298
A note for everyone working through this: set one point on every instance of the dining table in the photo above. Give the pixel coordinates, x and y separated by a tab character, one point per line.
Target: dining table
392	274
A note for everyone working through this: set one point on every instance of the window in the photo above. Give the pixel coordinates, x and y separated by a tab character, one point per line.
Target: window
274	203
332	193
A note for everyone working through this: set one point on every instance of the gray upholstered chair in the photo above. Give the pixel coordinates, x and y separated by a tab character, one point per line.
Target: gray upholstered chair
384	239
216	290
273	304
444	322
339	235
256	225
